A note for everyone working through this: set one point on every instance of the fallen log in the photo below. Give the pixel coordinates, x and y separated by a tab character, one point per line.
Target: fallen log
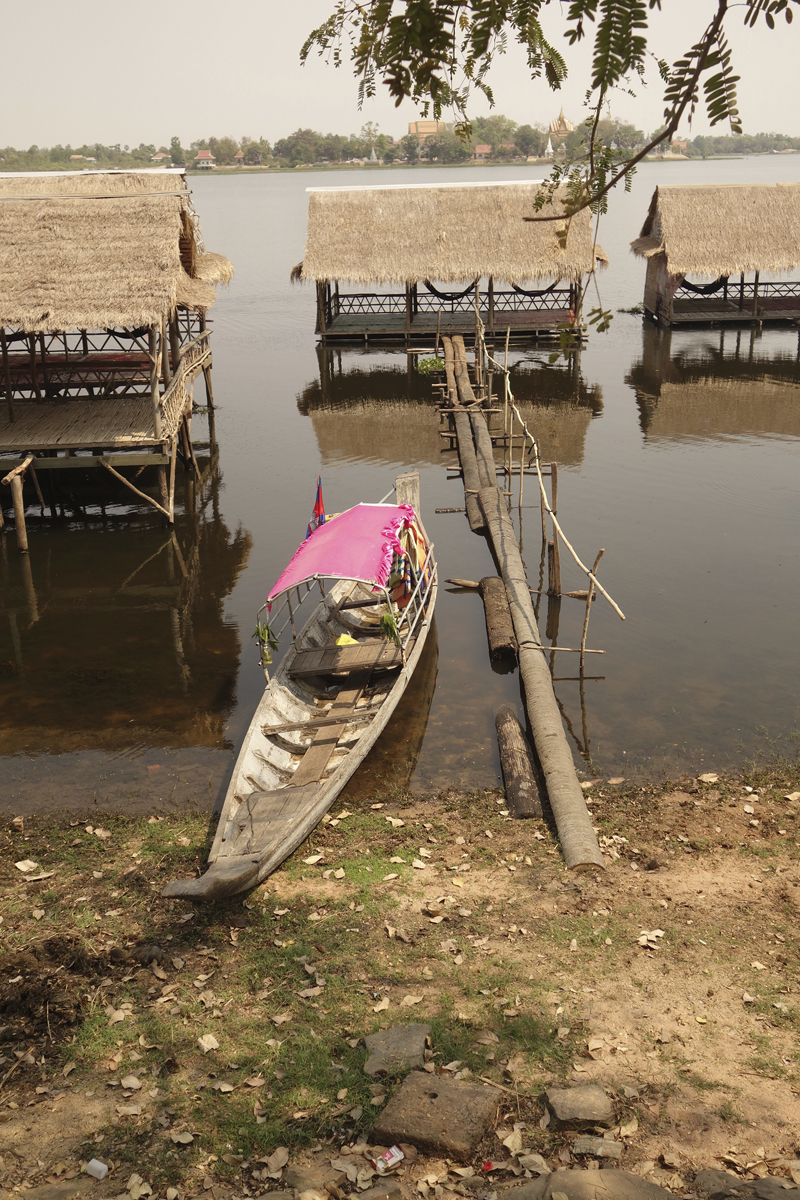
519	774
575	831
499	626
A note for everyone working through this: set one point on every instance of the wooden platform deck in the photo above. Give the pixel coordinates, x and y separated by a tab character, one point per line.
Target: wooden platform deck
391	327
714	309
73	424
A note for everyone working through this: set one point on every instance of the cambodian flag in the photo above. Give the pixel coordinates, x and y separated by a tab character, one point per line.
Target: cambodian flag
318	516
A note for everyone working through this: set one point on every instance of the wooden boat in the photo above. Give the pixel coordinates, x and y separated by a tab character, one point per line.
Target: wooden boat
335	689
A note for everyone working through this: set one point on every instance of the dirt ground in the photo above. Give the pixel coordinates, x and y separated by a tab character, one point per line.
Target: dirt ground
670	979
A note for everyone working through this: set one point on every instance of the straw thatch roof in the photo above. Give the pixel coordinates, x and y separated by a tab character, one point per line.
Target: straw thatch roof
101	249
446	232
723	230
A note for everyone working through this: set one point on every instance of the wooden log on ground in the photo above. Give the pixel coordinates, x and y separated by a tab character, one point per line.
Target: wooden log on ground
483	442
499	626
578	839
519	774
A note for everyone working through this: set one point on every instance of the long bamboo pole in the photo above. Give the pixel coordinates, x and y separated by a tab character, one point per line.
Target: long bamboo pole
466	448
578	839
142	495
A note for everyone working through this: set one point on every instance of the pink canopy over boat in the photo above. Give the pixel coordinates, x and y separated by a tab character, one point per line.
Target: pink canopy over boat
358	544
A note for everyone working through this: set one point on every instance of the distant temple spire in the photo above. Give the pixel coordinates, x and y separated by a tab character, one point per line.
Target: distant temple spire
561	126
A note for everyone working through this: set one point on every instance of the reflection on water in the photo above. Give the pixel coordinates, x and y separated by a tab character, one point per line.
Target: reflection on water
715	386
113	640
364	407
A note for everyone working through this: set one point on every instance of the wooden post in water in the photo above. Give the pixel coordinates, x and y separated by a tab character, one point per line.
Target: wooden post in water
155	396
499	626
19	513
556	549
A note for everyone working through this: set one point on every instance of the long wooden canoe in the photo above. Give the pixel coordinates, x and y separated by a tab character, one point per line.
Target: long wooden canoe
320	715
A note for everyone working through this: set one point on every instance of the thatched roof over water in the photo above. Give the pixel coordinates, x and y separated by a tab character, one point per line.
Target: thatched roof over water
101	249
447	232
725	229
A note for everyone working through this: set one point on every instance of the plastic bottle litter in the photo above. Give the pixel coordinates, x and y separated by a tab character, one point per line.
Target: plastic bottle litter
97	1169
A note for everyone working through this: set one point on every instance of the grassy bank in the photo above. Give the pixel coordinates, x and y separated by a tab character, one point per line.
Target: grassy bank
187	1045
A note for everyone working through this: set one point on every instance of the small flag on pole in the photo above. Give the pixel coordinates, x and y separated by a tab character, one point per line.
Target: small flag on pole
318	516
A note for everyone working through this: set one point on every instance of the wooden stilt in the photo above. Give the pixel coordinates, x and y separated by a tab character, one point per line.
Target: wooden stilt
172	464
556	549
34	372
755	295
19	513
174	344
491	304
166	373
152	342
589	598
12	416
35	479
209	392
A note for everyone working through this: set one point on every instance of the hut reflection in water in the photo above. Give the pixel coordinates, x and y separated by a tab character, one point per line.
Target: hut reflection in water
714	386
377	408
113	639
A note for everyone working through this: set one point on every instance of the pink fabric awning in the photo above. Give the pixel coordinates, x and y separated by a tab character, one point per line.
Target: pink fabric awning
358	544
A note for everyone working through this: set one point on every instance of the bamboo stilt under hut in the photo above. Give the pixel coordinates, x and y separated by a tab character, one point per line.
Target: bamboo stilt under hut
104	288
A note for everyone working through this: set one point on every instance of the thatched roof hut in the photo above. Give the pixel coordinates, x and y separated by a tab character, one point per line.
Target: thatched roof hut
94	250
448	232
718	230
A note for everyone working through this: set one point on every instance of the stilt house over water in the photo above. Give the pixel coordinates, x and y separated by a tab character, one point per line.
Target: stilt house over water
104	288
420	258
729	235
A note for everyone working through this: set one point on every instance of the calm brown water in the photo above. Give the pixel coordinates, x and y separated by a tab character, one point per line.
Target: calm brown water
125	682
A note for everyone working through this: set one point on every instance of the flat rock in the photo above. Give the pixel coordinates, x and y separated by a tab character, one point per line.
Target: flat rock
579	1107
437	1114
718	1184
401	1048
387	1189
608	1184
312	1179
61	1191
597	1147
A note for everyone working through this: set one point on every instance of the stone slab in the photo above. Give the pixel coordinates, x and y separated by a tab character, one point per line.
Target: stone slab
597	1147
718	1184
437	1114
581	1107
608	1184
401	1048
387	1189
311	1179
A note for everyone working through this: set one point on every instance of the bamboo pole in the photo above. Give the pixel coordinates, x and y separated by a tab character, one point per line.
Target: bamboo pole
165	367
142	495
578	840
152	344
589	598
12	414
466	448
556	551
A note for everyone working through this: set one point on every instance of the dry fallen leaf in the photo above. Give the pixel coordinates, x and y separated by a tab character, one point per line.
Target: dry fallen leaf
37	914
312	859
410	1001
382	1005
395	822
709	777
281	1018
388	878
758	966
182	1139
26	865
419	864
131	1083
207	1042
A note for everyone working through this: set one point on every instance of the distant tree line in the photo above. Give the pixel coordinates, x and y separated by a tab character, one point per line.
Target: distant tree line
507	142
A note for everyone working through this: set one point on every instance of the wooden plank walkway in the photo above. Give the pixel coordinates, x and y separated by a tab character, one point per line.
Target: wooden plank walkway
49	425
770	308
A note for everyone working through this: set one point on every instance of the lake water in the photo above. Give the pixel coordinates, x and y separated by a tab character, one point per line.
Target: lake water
127	671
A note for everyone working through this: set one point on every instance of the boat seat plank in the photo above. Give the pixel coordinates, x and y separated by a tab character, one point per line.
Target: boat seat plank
317	756
327	659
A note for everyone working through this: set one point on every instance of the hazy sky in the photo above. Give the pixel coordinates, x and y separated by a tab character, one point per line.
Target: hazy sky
91	71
